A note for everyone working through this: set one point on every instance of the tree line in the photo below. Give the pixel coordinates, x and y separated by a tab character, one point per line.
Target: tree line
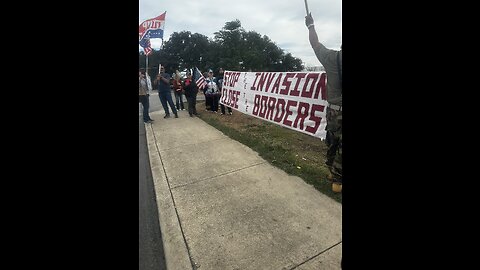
232	48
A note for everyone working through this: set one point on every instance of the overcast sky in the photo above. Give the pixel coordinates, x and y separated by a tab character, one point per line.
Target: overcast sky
283	21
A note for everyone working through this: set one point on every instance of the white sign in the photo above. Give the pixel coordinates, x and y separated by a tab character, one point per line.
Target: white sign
295	100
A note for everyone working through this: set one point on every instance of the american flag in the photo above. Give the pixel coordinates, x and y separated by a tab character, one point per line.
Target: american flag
147	50
199	79
147	47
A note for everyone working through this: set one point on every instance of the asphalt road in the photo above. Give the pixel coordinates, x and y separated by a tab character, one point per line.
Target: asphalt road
151	255
155	104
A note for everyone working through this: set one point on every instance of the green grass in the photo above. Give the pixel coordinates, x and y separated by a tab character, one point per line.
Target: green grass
295	153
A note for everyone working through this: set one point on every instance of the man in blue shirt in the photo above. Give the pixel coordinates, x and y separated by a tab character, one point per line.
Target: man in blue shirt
164	92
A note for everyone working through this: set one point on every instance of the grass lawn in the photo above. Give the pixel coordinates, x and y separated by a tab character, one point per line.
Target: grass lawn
292	151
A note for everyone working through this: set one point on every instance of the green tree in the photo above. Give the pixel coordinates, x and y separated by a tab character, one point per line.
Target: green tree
231	48
229	45
186	50
254	51
241	50
290	63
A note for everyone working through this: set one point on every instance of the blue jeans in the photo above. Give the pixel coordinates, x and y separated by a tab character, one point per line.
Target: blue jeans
164	98
179	100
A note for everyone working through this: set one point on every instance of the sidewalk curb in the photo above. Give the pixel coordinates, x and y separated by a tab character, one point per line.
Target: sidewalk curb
176	252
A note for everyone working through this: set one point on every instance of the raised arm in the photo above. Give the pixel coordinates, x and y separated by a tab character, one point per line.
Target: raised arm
312	34
320	50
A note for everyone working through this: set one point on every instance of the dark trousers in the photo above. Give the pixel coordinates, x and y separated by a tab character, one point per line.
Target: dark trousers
179	100
192	103
215	99
164	98
145	104
222	107
208	102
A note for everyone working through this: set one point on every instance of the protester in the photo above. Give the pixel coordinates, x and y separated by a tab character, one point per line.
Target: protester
164	92
178	91
191	90
332	62
143	96
208	98
212	91
219	86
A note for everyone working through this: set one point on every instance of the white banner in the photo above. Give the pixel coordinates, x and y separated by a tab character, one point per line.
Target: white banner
295	100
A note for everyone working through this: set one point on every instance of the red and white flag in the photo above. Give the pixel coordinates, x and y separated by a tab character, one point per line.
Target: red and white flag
199	79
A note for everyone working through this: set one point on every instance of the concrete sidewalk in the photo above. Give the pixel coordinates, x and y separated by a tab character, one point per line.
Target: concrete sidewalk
222	206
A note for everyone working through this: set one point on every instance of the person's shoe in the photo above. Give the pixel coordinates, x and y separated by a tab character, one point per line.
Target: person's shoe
167	116
223	113
176	115
230	113
337	187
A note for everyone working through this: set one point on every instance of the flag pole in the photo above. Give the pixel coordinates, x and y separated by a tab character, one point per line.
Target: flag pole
146	62
161	46
306	6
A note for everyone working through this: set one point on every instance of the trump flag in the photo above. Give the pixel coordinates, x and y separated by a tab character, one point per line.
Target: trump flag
151	28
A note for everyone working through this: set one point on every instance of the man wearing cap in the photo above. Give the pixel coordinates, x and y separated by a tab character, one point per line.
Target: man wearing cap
332	62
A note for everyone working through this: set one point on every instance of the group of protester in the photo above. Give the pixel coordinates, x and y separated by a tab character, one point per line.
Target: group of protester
165	83
330	59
